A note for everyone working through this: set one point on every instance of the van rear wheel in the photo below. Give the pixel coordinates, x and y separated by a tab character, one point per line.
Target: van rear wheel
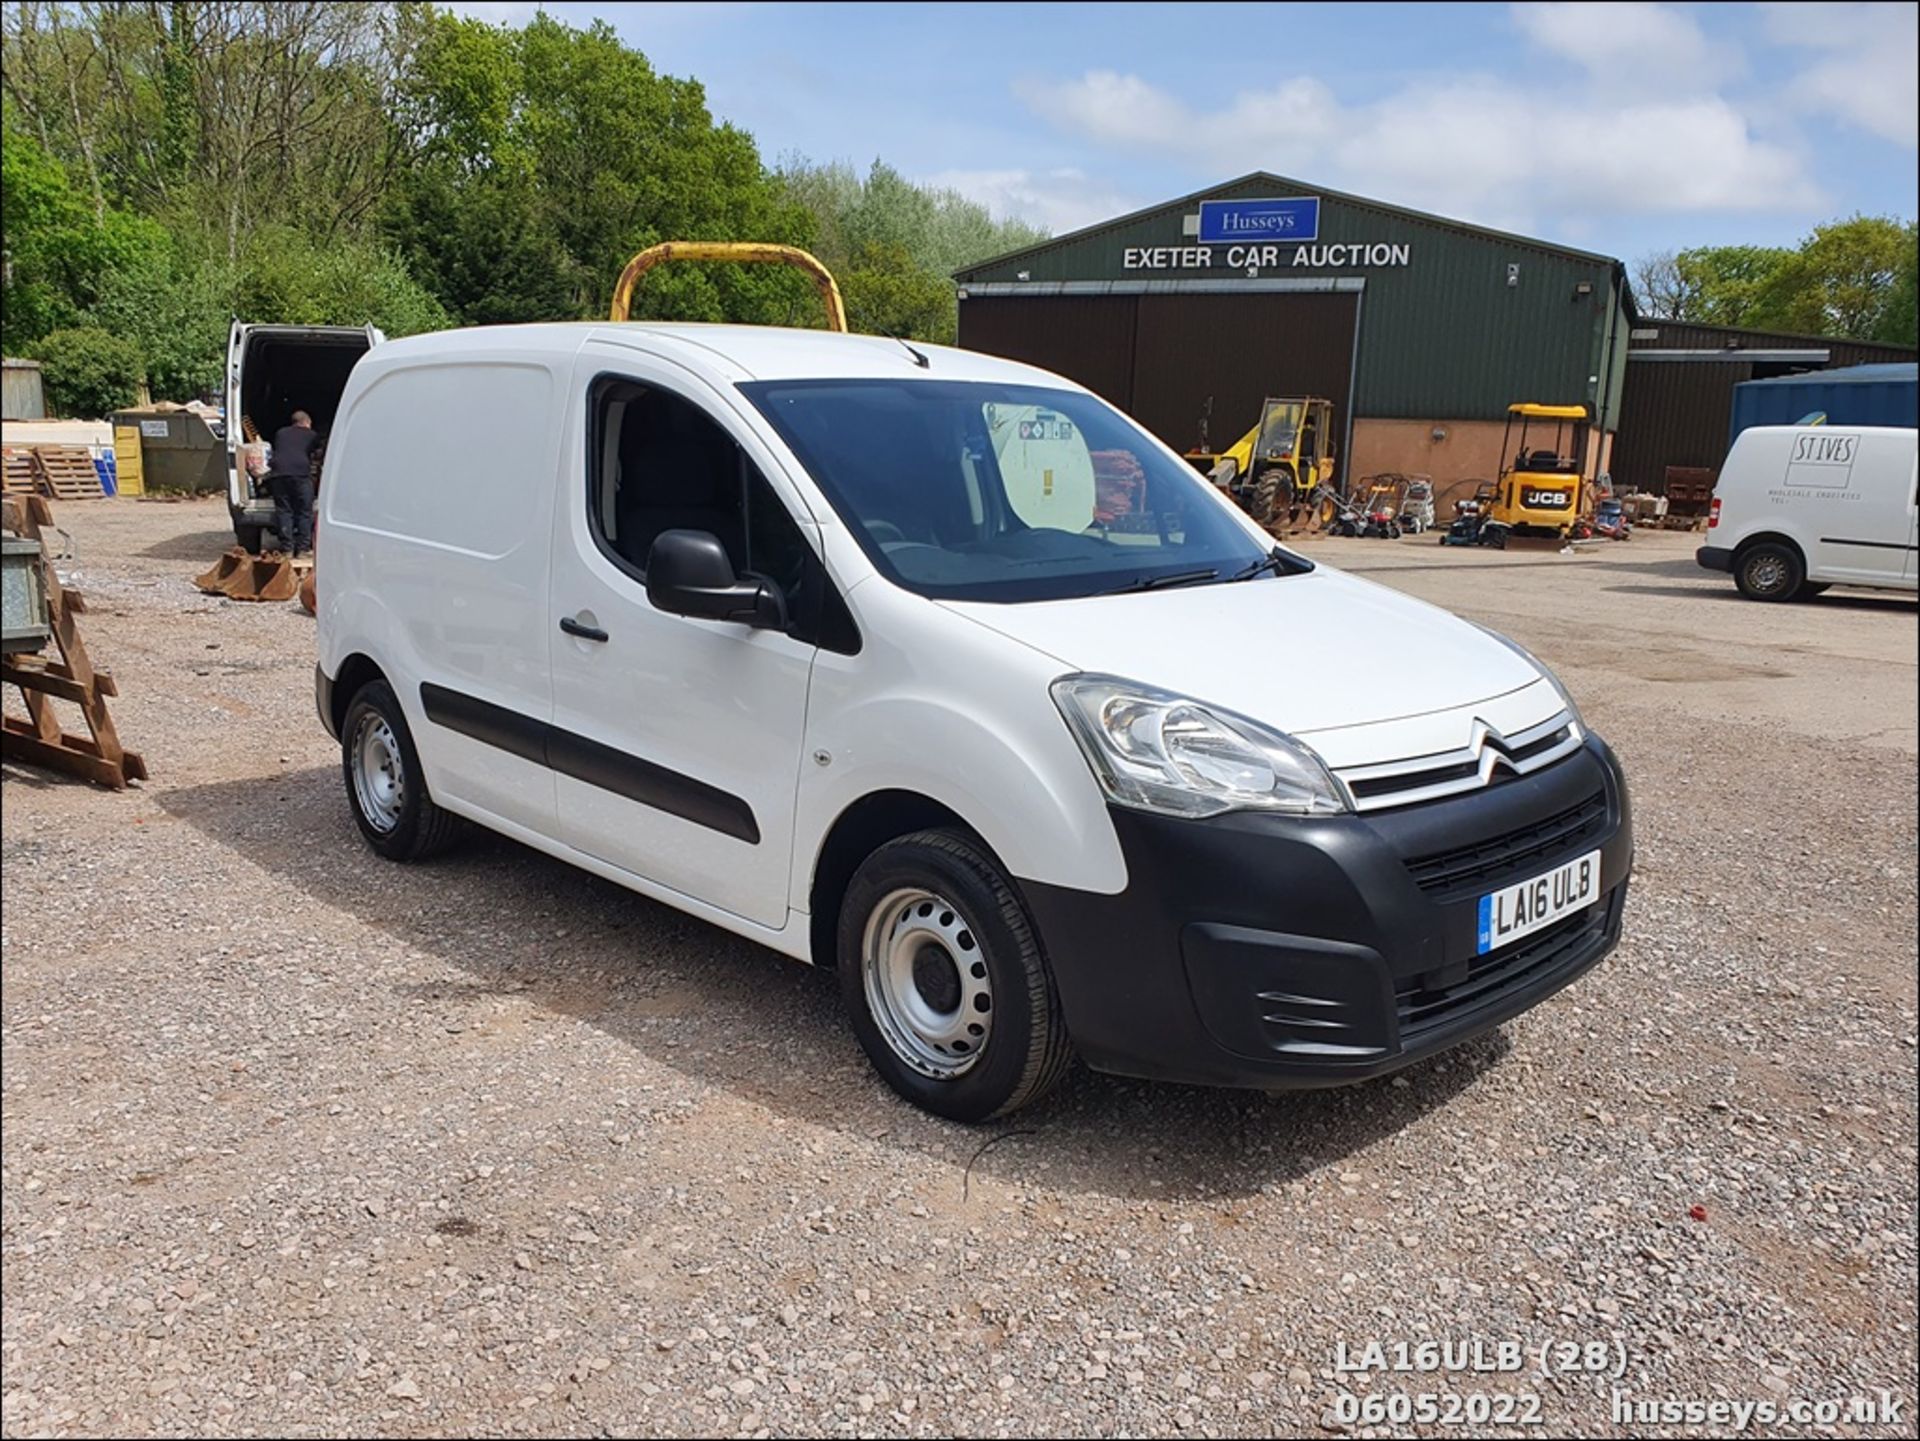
1769	571
945	982
385	786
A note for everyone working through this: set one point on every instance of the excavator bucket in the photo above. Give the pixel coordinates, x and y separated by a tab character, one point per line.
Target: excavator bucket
240	576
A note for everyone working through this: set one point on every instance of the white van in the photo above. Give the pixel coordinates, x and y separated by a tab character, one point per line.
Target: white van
937	669
1798	508
272	371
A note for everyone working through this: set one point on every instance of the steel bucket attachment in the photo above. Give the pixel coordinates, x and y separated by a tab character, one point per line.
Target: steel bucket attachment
240	576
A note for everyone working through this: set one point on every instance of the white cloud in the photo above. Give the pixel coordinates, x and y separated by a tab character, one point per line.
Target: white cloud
1479	147
1060	200
1636	45
1867	75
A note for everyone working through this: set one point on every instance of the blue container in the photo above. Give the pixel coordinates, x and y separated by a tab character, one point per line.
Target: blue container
108	469
1856	395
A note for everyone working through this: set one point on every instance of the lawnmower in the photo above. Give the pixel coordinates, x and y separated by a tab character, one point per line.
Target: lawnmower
1416	506
1473	523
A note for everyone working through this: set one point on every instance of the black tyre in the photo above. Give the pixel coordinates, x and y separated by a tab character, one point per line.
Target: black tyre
385	786
1769	571
945	981
251	537
1263	494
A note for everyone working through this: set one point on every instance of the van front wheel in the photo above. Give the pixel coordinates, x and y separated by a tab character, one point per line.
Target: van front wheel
945	981
384	782
1769	572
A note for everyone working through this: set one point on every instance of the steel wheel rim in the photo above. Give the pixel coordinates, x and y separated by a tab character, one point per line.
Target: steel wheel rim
379	775
1766	573
927	984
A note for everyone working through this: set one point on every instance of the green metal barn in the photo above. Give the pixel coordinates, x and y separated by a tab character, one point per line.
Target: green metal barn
1421	330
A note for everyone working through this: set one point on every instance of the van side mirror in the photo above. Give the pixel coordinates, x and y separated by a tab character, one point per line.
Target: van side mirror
690	573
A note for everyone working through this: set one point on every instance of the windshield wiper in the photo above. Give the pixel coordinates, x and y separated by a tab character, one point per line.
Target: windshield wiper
1161	582
1274	560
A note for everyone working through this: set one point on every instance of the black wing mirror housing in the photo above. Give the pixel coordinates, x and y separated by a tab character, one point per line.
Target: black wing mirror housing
689	573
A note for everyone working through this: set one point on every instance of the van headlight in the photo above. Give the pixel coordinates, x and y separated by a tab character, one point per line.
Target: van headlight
1546	672
1156	751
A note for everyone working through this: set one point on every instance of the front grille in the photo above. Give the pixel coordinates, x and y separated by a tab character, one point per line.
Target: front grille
1562	945
1487	759
1486	864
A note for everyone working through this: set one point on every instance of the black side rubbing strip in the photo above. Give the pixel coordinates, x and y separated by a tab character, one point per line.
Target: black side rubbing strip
589	761
484	721
1869	544
651	785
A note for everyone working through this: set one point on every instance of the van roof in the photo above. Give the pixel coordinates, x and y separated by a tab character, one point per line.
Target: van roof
740	352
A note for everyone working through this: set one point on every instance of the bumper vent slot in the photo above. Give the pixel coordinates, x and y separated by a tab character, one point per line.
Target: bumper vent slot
1487	864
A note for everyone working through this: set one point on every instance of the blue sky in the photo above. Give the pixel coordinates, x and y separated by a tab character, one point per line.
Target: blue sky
1620	128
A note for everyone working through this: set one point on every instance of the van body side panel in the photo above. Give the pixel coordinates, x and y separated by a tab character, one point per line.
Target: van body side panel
939	705
436	509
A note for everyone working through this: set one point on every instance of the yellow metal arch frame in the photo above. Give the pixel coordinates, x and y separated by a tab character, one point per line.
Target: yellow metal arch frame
739	252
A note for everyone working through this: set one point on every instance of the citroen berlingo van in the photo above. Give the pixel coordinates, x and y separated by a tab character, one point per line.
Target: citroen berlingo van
939	671
272	371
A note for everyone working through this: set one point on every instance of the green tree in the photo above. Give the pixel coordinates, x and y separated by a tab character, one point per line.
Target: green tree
88	374
897	244
1850	278
543	157
1728	284
61	254
1900	321
1842	281
887	294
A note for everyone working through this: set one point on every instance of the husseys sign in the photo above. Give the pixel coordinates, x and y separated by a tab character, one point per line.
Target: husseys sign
1262	234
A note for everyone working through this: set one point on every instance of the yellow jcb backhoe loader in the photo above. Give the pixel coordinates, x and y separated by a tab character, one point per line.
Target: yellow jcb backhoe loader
1281	471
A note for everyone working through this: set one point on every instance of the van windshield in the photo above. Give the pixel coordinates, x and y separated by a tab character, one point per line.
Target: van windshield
971	490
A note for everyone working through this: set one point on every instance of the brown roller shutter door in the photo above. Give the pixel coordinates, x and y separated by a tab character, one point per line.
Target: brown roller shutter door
1088	338
1159	357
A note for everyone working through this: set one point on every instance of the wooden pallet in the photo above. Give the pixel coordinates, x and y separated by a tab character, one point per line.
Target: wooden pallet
40	739
66	472
21	478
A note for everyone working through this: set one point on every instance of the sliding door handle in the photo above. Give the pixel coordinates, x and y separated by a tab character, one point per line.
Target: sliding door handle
581	629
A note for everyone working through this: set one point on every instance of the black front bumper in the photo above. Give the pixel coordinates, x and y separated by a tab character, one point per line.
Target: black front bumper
1276	951
1714	557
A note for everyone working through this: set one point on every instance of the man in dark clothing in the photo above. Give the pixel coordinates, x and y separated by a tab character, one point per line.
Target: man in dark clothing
290	482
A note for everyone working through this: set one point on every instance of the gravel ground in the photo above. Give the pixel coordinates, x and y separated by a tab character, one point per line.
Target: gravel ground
300	1142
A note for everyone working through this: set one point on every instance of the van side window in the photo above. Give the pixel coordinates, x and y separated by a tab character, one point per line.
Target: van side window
658	462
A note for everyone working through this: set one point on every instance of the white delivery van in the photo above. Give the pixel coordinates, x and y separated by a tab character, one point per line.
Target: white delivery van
936	669
272	371
1798	508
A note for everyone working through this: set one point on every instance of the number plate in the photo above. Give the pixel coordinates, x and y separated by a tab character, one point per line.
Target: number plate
1517	910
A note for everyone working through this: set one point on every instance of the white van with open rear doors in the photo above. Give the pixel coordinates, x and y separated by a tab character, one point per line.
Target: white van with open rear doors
1798	508
938	670
272	371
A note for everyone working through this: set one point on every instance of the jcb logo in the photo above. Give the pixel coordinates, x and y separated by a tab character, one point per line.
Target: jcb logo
1824	449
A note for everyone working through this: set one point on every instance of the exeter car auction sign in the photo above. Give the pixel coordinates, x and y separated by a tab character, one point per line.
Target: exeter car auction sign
1254	257
1261	234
